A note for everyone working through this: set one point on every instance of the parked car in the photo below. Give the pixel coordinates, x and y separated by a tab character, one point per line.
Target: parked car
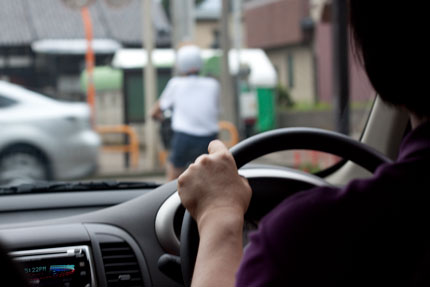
42	138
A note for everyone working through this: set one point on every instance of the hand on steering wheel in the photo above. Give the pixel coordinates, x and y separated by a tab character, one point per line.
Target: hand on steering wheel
254	147
203	194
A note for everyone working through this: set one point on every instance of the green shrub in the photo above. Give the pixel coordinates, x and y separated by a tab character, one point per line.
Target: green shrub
284	96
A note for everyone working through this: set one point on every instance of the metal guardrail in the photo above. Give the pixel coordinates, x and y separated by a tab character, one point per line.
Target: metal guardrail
132	148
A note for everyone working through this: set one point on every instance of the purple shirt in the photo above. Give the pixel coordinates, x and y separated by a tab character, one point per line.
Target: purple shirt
373	232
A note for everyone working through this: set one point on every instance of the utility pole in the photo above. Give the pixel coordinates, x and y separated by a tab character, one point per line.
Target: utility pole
89	55
237	24
89	61
150	88
237	16
228	101
340	65
182	15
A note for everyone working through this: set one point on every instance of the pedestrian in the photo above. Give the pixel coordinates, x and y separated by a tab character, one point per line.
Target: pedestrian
371	232
194	101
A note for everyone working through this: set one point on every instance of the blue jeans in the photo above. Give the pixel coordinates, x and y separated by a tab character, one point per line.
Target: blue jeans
186	148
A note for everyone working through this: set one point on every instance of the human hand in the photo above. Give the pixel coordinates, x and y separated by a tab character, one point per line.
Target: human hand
156	112
212	186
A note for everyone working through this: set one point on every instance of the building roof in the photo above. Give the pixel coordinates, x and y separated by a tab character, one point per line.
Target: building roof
23	22
74	46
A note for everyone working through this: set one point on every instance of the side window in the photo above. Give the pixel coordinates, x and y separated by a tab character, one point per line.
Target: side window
6	102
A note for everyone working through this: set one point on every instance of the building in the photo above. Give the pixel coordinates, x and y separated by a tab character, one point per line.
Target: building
207	17
298	41
42	43
207	25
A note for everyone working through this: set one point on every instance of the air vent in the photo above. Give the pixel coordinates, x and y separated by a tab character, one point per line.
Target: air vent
121	267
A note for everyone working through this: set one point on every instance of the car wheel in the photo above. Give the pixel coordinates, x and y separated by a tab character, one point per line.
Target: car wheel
22	164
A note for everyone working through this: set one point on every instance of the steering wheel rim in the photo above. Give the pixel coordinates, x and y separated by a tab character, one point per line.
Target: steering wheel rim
273	141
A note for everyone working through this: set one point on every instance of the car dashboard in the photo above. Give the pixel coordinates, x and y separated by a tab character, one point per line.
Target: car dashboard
115	237
106	229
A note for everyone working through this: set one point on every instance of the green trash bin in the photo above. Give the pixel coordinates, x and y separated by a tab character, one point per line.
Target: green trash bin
266	109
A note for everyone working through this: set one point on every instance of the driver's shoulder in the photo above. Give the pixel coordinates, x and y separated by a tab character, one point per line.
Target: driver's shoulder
323	211
304	212
332	212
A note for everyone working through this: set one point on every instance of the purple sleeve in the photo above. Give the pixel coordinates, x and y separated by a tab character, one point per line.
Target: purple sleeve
369	232
268	259
298	243
256	268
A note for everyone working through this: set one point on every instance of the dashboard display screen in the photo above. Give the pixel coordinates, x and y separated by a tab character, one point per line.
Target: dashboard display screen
50	271
49	274
64	268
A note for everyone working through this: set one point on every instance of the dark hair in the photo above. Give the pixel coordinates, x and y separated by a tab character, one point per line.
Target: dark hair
391	39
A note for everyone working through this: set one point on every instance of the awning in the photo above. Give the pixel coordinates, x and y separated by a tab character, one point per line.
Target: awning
262	72
74	46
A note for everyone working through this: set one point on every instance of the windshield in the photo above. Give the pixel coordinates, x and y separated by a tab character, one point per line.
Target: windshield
82	101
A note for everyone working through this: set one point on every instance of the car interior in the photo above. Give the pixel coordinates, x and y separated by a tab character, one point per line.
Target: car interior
128	232
136	237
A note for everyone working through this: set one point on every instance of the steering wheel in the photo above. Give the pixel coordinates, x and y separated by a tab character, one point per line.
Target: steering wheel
273	141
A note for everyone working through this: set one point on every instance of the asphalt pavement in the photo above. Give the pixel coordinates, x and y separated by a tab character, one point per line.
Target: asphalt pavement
112	165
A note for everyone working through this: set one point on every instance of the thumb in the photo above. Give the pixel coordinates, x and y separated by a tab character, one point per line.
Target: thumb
216	146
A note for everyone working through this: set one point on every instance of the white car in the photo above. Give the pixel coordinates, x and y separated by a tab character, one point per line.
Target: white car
44	139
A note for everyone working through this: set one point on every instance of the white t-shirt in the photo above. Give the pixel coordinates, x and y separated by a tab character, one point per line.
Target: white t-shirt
195	102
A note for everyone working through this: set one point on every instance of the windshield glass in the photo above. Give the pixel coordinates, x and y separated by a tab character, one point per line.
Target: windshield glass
81	100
